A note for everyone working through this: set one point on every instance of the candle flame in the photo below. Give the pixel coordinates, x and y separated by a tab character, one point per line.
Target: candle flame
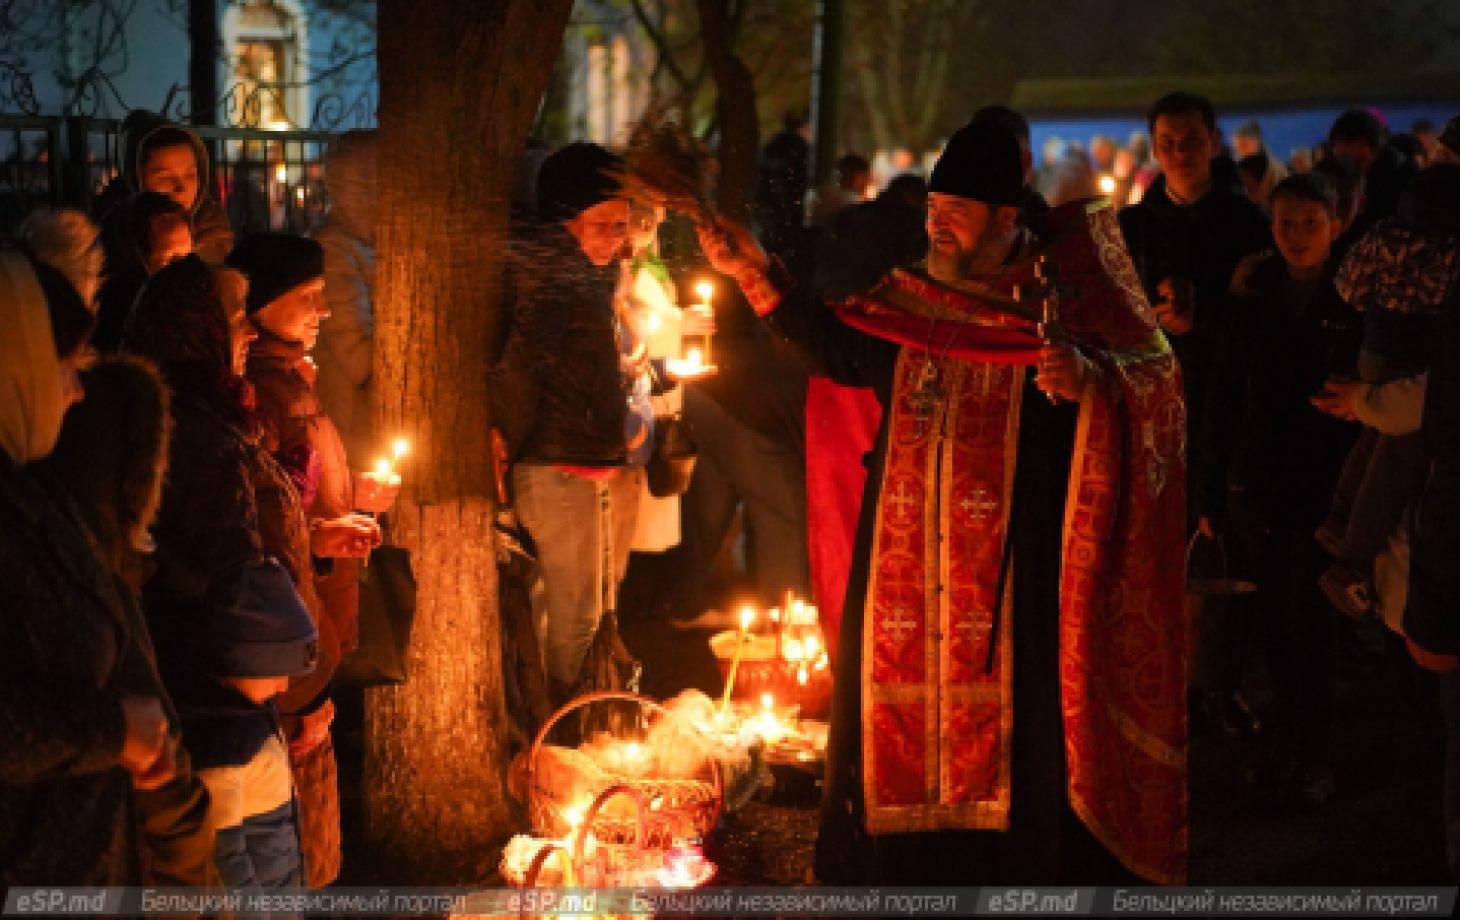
813	645
382	468
803	676
793	650
634	749
400	448
1107	185
747	618
573	814
704	289
767	701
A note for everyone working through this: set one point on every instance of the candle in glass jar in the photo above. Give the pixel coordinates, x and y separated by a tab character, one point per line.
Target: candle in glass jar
704	315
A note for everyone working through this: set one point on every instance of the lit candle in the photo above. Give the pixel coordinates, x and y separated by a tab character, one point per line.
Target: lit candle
705	314
1107	185
747	617
385	472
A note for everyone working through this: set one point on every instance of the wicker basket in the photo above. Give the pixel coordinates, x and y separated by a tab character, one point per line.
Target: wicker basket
668	811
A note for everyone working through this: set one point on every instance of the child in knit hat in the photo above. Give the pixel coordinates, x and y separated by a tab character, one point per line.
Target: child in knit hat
259	636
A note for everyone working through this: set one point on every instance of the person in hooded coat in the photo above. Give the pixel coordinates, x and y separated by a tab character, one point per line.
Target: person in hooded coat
78	737
228	504
157	155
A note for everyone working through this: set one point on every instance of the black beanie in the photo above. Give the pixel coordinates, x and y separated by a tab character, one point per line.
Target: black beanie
258	626
981	162
275	264
575	178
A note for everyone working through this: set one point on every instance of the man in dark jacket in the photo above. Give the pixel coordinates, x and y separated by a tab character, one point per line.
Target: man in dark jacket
785	173
560	398
1188	233
1359	135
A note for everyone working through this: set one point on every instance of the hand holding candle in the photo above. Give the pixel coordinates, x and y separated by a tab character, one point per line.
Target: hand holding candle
376	490
349	536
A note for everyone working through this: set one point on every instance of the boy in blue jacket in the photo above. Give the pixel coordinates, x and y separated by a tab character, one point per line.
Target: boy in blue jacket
259	636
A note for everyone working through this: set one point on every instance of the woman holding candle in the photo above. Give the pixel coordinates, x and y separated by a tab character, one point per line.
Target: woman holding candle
286	305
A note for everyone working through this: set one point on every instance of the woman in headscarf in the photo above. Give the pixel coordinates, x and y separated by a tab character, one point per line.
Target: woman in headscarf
76	741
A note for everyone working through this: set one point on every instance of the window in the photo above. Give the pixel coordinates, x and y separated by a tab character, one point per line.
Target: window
267	48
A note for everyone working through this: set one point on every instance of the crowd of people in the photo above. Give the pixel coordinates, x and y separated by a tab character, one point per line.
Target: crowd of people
183	513
182	527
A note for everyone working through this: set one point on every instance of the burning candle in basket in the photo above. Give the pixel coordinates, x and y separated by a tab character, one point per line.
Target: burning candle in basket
695	343
747	617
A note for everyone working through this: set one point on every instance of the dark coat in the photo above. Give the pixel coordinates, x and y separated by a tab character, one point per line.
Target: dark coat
1202	242
1432	619
307	446
110	460
864	242
557	393
1272	457
227	503
1385	184
309	462
64	632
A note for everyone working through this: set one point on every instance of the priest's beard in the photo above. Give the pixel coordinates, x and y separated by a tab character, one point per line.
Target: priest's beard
950	263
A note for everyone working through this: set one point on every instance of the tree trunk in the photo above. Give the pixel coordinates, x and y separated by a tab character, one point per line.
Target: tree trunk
739	124
460	81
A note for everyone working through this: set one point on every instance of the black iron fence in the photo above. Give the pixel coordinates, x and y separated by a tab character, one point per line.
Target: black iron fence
266	180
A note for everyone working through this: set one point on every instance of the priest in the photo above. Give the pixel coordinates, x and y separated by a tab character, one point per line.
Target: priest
1010	678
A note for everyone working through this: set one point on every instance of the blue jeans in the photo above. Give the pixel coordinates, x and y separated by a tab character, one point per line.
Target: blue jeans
584	529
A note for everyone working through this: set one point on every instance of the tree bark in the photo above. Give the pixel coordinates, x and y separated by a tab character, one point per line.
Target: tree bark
460	82
735	106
